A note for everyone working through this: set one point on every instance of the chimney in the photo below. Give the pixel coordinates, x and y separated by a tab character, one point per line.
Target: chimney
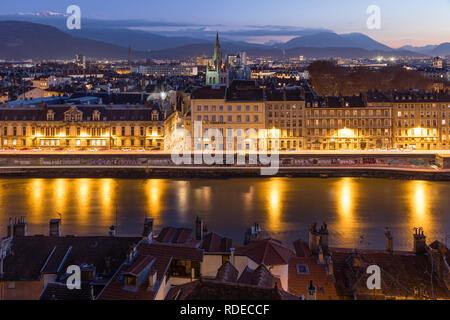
147	234
112	231
152	280
92	293
55	228
312	294
232	256
321	259
323	241
389	241
87	272
252	233
314	239
9	228
199	228
19	227
419	241
330	268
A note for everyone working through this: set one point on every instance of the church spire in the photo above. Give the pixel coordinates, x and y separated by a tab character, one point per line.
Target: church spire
217	56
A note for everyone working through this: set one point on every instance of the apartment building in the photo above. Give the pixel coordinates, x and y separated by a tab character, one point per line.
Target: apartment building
421	120
82	127
228	118
347	123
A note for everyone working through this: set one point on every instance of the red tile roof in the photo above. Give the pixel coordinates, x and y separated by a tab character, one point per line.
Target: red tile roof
401	273
212	242
214	290
269	252
297	283
260	277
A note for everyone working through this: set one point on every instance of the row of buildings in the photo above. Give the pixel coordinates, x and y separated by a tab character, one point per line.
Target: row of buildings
187	264
243	116
297	119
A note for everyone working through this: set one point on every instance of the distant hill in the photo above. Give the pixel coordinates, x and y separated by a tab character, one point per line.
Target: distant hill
23	40
424	49
307	52
139	40
441	50
433	50
331	40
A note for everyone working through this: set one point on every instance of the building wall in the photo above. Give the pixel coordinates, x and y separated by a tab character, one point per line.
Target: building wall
348	128
284	124
229	118
421	125
82	135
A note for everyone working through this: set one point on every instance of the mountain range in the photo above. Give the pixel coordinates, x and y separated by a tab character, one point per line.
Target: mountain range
104	39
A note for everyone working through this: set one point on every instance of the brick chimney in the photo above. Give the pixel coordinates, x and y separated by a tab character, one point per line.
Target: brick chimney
323	241
419	241
147	234
55	228
314	239
112	231
199	228
19	228
389	241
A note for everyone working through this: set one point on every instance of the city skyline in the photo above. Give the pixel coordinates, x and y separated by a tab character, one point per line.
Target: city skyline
253	22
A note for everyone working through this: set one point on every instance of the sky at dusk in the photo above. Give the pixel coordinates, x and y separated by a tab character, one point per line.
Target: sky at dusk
414	22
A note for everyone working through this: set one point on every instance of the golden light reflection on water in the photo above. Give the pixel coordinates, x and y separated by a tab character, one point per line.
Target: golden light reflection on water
274	203
155	190
83	194
35	197
182	194
418	198
347	219
107	199
60	191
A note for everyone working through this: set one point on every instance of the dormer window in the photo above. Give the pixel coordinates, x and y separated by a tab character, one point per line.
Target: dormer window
154	116
96	115
130	281
50	115
73	115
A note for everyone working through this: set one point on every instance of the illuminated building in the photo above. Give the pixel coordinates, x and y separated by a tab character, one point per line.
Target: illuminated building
421	120
347	123
82	127
231	111
284	115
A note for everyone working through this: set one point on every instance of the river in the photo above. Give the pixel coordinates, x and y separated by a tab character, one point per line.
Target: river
357	210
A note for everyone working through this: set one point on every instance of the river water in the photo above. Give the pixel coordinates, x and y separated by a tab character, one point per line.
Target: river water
357	210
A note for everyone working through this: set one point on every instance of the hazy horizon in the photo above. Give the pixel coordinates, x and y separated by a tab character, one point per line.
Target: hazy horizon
413	22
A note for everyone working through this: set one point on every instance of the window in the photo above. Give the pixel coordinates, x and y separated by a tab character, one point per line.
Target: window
302	269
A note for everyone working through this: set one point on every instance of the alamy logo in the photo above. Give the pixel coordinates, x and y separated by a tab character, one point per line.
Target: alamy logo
74	20
212	147
374	20
374	280
74	280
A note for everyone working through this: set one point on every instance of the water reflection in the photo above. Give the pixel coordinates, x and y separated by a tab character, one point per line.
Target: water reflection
347	217
418	194
284	207
275	199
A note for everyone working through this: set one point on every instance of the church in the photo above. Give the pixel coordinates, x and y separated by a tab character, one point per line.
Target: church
217	72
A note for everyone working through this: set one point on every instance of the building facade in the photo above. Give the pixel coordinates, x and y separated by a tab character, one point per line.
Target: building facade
421	120
236	114
82	127
347	123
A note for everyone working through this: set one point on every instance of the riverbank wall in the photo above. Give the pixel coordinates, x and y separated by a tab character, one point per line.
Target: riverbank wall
143	166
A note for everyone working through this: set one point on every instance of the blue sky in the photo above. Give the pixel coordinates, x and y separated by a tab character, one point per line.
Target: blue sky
416	22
